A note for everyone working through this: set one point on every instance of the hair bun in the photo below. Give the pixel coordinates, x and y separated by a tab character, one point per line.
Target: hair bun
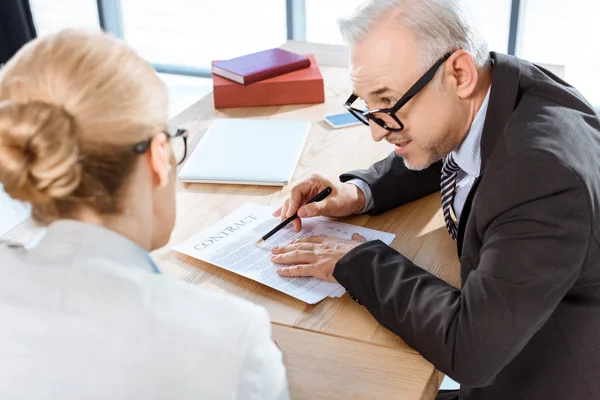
39	153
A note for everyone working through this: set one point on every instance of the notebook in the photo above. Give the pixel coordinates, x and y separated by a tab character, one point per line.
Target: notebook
247	152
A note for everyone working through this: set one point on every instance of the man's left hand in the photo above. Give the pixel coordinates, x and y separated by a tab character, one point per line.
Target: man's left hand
314	256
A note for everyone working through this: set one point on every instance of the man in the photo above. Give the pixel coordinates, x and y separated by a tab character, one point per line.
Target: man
516	153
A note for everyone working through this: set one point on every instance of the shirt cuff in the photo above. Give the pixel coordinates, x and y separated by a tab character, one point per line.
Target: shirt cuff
366	189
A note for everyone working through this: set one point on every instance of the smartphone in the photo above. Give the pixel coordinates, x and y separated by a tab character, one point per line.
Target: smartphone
342	120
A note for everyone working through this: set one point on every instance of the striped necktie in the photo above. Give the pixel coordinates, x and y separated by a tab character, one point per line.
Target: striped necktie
448	185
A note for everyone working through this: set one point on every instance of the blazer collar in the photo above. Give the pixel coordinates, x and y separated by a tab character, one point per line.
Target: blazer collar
506	76
92	241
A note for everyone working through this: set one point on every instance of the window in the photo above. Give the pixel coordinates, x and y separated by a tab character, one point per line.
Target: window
184	91
193	33
567	36
492	17
493	20
321	19
51	16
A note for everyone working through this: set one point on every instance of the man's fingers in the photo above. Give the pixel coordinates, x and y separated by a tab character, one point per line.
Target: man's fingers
296	270
303	270
297	224
313	209
294	257
304	191
311	239
358	238
291	247
284	210
298	196
277	212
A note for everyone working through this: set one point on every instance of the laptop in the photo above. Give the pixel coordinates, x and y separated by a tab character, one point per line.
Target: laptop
247	152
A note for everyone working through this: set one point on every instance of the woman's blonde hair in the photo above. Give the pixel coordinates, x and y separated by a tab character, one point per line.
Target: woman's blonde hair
72	107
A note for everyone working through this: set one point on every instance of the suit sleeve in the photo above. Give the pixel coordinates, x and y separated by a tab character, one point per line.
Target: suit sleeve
535	229
392	184
262	374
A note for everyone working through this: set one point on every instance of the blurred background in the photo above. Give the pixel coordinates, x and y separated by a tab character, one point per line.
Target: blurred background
181	37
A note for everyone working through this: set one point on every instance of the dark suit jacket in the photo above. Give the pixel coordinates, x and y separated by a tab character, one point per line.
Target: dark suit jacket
16	27
526	323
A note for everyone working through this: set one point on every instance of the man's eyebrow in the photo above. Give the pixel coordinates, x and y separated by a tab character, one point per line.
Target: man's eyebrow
380	91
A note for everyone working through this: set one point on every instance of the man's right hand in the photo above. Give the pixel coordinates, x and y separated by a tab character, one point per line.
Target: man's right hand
345	199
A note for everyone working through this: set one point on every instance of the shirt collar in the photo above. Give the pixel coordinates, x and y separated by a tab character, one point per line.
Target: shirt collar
97	242
468	155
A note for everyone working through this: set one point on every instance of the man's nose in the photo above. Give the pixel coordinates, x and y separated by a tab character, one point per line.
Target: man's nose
377	132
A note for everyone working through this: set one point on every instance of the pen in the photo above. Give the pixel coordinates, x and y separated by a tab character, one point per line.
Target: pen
321	196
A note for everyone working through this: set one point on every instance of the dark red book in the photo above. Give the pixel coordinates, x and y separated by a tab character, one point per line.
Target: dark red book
298	87
259	66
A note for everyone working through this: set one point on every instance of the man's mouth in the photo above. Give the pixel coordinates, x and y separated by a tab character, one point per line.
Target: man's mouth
402	144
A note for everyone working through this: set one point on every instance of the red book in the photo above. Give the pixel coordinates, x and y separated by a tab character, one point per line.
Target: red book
299	87
260	66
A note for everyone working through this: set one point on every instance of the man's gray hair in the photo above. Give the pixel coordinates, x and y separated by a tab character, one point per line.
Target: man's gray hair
439	25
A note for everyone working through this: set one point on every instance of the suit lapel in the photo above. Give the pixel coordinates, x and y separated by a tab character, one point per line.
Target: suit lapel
462	224
504	96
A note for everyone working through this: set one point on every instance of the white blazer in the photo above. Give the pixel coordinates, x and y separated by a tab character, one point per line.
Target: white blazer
83	315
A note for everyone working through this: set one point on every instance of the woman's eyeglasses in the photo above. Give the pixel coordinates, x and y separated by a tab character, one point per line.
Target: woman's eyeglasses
178	144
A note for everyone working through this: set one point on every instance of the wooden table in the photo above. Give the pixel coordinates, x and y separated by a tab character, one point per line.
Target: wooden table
335	349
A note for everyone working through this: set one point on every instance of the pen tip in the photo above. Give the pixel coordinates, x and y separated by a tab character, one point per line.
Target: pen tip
259	242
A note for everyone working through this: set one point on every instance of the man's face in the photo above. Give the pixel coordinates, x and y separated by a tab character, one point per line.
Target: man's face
384	66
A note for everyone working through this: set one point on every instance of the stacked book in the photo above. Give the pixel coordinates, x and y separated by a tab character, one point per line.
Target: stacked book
267	78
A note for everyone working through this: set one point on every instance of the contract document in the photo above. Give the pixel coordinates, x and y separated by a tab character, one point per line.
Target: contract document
230	244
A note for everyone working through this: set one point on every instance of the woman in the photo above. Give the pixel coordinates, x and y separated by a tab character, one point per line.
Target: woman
84	313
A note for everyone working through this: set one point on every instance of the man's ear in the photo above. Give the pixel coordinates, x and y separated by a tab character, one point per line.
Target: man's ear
160	159
463	72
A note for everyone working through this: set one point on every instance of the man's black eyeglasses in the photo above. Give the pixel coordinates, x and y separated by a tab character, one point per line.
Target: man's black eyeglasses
386	117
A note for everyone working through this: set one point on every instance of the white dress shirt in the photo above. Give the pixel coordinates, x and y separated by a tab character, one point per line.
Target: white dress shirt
83	315
467	156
